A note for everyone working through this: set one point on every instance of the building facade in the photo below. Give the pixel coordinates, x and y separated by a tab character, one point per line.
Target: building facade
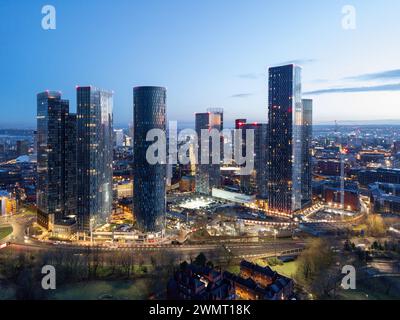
56	159
383	175
8	203
208	176
192	282
385	198
307	125
286	163
257	283
149	204
256	182
94	156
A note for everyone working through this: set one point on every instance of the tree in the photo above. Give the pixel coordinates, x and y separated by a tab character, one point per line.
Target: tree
316	270
200	260
376	226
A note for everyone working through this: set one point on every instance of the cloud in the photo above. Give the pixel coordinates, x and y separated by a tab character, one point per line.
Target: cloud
380	76
241	95
386	87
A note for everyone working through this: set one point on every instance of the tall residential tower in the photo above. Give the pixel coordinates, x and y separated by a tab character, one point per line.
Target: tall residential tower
149	203
307	156
56	164
256	182
287	152
208	176
94	157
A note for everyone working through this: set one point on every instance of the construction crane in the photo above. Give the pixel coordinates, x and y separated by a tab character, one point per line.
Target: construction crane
342	179
343	154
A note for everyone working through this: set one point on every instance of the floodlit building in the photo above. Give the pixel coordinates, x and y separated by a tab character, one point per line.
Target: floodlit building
8	204
332	195
65	228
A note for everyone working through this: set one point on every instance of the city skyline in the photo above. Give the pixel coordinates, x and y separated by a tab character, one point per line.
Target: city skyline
199	151
229	64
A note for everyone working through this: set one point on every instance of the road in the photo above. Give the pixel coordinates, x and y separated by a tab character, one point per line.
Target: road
214	252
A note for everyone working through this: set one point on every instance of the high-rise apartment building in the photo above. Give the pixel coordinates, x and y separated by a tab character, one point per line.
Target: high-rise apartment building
56	159
307	129
94	156
208	176
286	149
256	182
149	204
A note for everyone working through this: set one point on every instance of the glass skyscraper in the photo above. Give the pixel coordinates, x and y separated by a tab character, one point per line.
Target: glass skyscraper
208	176
94	156
149	204
286	155
307	165
56	164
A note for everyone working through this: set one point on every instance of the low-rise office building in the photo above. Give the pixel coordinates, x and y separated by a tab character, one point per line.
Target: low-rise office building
385	198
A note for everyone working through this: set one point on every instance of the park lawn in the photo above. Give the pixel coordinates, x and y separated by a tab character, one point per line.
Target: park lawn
94	290
235	269
287	269
5	231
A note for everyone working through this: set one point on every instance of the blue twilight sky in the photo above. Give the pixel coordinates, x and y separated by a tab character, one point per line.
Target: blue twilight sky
208	53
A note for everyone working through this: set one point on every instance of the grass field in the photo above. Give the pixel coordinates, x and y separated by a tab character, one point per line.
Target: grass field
374	289
5	231
287	269
95	290
235	269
